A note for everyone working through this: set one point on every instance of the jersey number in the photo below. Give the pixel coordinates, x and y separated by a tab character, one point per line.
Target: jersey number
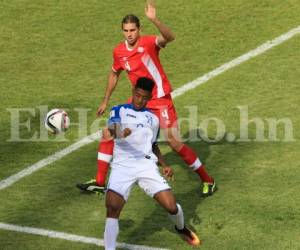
165	114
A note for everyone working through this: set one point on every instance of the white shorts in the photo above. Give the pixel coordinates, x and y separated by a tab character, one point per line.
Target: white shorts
145	174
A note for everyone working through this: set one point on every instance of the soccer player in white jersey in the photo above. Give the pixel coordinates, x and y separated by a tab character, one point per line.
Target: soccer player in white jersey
134	129
138	55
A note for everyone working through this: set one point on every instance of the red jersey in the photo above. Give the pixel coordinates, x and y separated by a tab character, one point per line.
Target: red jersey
142	61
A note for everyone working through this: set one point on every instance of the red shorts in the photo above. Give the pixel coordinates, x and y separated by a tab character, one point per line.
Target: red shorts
164	109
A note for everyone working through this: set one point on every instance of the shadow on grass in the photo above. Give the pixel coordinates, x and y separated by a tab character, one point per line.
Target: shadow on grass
187	192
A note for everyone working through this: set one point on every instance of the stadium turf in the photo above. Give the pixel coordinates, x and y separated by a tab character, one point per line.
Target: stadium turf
58	53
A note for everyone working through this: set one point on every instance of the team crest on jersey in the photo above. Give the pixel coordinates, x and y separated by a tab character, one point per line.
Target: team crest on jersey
149	120
140	49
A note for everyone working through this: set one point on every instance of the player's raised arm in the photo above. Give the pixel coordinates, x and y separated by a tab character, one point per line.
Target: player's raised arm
166	35
112	83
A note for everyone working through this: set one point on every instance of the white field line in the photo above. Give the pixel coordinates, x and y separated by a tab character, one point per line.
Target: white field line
50	159
178	92
235	62
70	237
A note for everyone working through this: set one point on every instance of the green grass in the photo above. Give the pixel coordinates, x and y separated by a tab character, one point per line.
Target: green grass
58	53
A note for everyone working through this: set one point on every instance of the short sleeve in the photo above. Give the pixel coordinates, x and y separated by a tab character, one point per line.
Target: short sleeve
114	116
152	42
116	63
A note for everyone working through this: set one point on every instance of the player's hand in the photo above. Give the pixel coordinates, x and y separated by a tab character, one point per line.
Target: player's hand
150	10
168	173
126	132
101	108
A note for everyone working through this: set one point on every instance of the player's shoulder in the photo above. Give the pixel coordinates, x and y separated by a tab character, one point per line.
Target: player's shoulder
150	113
119	106
118	110
119	47
148	38
123	107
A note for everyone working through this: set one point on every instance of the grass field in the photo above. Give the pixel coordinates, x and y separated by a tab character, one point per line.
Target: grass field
58	53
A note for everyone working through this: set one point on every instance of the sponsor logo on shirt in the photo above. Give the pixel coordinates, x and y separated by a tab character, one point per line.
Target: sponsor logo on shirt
130	115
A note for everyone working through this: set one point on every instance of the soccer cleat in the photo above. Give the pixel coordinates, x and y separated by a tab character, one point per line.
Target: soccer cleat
189	236
91	186
209	188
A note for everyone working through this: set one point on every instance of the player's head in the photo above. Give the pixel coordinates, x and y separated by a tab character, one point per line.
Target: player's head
131	28
142	92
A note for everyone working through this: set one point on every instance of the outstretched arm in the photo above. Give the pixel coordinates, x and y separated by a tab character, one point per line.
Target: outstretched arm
112	83
166	35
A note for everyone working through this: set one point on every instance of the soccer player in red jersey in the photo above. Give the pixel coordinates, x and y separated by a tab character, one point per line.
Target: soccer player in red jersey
138	55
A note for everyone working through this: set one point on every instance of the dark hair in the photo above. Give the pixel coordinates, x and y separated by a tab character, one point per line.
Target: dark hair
145	84
131	19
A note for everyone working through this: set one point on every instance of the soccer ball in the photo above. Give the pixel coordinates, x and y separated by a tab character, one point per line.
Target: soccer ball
57	121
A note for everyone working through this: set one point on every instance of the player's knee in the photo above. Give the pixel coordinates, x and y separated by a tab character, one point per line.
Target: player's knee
113	210
172	208
106	135
175	144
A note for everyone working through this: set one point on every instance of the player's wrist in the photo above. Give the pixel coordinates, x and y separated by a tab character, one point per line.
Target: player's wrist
164	165
155	21
105	100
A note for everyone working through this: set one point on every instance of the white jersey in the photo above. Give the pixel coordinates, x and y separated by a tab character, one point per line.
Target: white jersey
144	126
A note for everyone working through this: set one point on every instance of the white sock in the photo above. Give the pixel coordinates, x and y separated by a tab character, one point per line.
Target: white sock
178	219
111	233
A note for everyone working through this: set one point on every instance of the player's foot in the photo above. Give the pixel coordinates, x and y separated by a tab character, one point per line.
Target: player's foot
209	188
189	236
91	186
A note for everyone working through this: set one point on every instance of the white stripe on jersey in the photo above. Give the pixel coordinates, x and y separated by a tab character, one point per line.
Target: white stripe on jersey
149	64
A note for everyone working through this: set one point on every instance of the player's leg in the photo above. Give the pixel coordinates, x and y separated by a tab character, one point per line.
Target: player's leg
105	151
167	200
165	110
120	182
151	181
190	158
168	123
114	205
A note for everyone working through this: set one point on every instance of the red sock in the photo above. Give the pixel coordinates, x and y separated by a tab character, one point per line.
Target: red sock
105	151
190	158
201	171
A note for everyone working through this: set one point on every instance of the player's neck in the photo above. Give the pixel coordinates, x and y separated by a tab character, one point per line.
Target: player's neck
131	46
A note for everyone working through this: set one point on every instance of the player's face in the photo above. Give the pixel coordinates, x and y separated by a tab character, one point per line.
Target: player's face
140	98
131	33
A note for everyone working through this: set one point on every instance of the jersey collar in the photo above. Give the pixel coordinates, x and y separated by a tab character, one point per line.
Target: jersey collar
138	110
131	49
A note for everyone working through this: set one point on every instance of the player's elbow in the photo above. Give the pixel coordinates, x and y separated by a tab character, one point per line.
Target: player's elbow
170	38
